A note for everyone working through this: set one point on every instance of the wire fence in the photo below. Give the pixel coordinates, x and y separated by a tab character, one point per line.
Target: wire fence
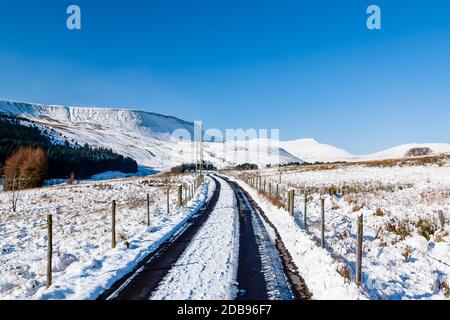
340	239
82	229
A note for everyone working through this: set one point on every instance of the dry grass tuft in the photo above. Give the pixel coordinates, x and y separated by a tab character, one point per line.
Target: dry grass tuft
443	285
438	238
401	229
345	272
123	237
446	290
273	198
407	252
379	213
332	191
426	228
335	206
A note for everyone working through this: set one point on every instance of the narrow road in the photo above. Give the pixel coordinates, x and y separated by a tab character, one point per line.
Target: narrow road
145	278
260	273
269	257
227	250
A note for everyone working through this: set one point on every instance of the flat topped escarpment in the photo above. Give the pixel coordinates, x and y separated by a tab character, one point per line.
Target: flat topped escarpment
132	120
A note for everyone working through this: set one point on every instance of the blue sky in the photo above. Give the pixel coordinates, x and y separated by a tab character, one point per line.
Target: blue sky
309	68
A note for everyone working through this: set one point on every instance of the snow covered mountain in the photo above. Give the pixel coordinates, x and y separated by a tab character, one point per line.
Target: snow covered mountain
147	137
312	151
400	151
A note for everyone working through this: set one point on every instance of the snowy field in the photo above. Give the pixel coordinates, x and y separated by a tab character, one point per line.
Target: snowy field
82	231
406	247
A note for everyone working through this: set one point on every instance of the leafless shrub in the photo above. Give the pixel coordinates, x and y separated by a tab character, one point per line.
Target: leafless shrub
71	179
418	152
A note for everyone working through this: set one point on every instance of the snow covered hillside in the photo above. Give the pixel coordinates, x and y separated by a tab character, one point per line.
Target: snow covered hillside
159	141
401	151
310	150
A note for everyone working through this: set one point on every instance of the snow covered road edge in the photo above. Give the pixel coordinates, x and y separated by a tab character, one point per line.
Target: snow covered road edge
315	264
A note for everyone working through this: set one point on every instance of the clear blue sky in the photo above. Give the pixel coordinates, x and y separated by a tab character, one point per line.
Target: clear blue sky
310	68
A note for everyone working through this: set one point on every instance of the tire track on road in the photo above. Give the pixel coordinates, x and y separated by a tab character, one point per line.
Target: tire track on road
145	278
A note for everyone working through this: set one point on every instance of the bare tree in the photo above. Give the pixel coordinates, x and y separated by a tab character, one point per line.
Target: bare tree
25	168
418	152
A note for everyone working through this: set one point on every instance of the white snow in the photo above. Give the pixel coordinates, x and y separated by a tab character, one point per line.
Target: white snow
84	263
153	139
400	151
109	175
399	261
207	269
310	150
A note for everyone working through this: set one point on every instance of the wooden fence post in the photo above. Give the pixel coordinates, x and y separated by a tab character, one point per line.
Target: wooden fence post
148	210
441	218
305	209
322	211
288	192
180	196
359	250
113	224
49	249
292	202
168	200
287	203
